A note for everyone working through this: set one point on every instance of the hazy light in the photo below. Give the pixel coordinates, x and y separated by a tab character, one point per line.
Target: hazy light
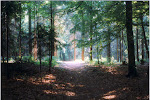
46	1
26	19
59	7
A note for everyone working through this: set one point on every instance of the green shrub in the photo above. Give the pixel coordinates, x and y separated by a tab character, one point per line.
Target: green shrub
28	59
45	61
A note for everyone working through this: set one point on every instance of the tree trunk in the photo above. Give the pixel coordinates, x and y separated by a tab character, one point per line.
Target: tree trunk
117	51
20	56
55	52
51	39
30	41
2	45
142	49
35	36
108	48
82	35
91	50
60	54
2	36
82	53
137	52
39	41
7	33
39	30
131	57
120	49
74	49
145	41
91	33
63	55
15	52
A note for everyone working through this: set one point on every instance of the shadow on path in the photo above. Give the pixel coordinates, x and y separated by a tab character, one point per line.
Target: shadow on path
77	81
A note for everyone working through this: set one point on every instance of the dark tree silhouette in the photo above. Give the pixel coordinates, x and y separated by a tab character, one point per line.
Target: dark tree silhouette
131	56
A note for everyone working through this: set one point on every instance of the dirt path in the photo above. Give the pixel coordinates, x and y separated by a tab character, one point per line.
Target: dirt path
77	81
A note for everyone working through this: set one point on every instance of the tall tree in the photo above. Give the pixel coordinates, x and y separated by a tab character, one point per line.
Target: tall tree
35	36
108	47
83	34
74	48
117	51
30	40
137	47
142	43
7	33
20	55
120	47
131	56
51	37
91	32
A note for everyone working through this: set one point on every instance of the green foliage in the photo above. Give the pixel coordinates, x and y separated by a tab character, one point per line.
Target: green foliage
45	62
28	59
101	20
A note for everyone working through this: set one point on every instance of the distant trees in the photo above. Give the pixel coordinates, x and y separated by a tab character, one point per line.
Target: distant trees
140	11
95	26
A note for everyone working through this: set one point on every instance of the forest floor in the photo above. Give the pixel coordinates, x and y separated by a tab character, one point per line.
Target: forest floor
75	81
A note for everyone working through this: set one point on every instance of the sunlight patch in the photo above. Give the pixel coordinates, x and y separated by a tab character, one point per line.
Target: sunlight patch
50	76
49	92
110	97
68	93
110	92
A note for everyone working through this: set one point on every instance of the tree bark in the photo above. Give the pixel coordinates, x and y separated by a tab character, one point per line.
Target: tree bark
2	45
91	33
108	48
142	49
2	36
39	29
30	41
137	47
91	50
55	52
20	56
82	35
82	53
7	37
117	51
120	48
74	48
131	56
35	36
51	39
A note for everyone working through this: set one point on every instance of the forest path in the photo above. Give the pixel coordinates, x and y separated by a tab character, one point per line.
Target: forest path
81	78
77	81
73	65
